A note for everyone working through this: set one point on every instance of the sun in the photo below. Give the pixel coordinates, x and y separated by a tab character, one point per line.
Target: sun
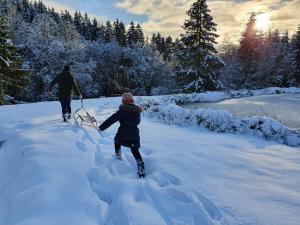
263	22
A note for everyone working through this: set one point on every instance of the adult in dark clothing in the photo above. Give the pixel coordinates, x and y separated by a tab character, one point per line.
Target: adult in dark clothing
66	86
128	135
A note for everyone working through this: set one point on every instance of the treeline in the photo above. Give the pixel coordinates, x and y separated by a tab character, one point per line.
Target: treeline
261	59
107	59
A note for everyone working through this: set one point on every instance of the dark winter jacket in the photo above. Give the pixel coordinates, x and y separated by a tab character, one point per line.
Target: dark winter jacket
66	85
128	132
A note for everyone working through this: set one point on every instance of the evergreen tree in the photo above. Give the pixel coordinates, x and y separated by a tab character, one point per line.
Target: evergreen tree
296	46
87	27
120	32
140	34
67	17
271	69
78	20
95	30
285	40
108	32
40	7
12	79
24	7
168	48
199	63
54	15
132	37
249	50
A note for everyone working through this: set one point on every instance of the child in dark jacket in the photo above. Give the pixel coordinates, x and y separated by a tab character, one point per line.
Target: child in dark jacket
129	118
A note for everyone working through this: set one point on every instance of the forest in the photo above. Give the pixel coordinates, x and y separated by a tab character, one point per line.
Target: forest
109	58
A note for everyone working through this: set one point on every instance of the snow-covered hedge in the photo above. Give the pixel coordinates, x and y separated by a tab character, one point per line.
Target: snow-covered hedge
223	121
165	109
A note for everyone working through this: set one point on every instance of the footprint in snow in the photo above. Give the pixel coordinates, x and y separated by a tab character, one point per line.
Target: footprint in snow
178	195
98	188
171	178
161	181
146	151
210	207
98	158
81	146
106	141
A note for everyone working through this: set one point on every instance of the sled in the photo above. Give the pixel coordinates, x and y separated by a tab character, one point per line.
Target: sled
81	117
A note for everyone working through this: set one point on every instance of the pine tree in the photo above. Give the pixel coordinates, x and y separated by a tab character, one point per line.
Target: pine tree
40	7
140	34
296	46
169	48
87	27
199	63
78	20
132	37
120	32
12	79
249	50
108	32
95	30
285	39
24	7
54	15
67	17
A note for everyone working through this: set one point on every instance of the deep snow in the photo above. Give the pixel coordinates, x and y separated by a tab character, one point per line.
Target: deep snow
54	173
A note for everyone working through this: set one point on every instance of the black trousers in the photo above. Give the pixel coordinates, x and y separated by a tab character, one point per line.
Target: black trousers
135	151
65	106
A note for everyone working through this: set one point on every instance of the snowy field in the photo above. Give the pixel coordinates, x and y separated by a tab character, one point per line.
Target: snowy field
59	174
283	107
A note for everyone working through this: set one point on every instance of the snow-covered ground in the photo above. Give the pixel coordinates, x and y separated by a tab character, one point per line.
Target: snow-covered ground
59	174
284	107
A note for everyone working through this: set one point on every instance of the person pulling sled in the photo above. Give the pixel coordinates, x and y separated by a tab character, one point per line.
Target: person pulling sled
129	118
66	86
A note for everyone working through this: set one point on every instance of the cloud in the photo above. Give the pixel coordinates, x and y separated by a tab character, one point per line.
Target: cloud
167	16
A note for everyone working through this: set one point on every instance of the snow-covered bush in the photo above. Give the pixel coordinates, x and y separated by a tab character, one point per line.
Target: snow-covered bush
166	109
223	121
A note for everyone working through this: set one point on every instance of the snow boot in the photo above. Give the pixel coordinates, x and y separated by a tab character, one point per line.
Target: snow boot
141	168
118	154
65	118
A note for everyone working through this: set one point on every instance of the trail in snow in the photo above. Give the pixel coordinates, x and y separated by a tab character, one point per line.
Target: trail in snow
56	173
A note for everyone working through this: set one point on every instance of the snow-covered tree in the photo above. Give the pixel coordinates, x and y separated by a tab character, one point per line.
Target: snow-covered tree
274	66
296	60
199	63
249	51
12	78
67	17
230	75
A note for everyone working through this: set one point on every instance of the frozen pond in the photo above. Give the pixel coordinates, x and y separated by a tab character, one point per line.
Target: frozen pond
283	107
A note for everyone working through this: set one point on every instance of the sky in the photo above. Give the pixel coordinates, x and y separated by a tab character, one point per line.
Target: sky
167	16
